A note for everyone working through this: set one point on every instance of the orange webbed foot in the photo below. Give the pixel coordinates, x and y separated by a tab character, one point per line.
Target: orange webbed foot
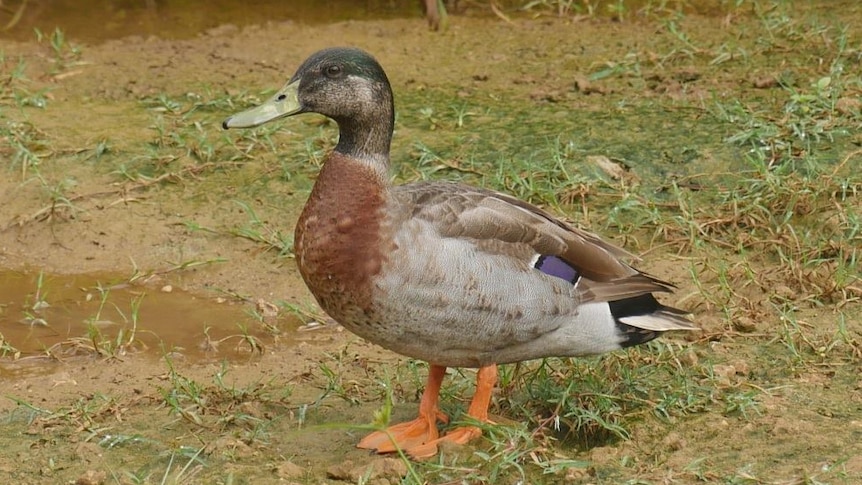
404	436
486	378
419	438
460	436
417	432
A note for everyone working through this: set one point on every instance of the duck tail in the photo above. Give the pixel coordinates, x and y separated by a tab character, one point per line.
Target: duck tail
642	318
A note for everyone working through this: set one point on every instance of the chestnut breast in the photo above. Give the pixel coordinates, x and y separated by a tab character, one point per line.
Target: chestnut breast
338	242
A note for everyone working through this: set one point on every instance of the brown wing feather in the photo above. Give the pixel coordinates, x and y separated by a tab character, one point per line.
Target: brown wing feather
499	223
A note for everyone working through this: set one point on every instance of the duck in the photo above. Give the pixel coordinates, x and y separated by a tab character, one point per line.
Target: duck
447	273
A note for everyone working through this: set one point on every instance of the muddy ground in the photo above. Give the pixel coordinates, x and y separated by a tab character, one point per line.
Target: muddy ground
130	186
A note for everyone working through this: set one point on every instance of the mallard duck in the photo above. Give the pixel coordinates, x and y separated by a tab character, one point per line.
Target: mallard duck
450	274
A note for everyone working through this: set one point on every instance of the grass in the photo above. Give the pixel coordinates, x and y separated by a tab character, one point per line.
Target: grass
7	349
753	198
26	146
65	54
221	404
169	462
260	232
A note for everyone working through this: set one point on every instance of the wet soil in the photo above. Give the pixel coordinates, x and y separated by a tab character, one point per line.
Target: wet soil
81	246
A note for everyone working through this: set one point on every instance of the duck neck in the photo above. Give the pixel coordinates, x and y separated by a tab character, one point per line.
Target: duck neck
368	136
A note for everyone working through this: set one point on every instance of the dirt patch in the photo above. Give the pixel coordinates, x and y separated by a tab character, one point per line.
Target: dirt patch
123	171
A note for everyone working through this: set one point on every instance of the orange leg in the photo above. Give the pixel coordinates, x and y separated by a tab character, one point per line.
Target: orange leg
486	379
417	432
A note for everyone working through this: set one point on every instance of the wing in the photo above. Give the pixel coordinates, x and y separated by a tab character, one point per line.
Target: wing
497	222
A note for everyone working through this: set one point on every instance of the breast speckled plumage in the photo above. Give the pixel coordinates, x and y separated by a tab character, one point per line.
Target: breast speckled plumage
454	275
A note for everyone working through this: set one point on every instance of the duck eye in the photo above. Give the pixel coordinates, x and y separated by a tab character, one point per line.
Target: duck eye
333	71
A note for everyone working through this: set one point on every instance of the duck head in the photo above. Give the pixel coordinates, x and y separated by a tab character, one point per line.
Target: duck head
345	84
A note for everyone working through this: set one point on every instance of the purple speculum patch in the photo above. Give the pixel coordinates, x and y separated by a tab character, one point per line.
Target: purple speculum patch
555	266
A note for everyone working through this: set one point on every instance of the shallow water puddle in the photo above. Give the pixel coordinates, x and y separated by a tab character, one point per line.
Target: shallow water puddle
173	19
180	20
58	316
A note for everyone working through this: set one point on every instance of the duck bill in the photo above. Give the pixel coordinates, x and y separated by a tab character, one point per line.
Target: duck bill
283	103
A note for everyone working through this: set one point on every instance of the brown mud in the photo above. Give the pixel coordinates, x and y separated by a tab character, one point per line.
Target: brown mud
118	294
